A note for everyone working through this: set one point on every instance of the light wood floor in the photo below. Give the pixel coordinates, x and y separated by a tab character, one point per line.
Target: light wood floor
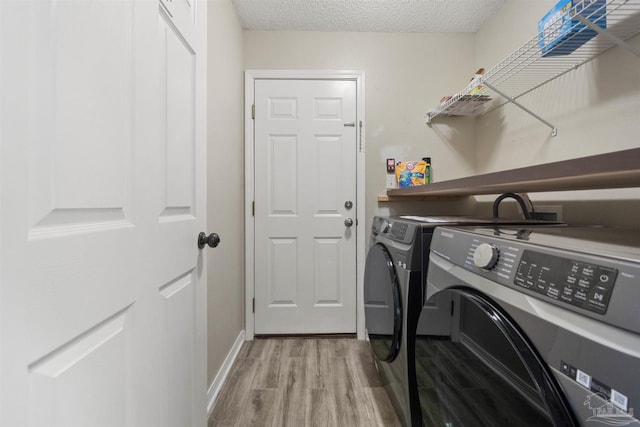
303	382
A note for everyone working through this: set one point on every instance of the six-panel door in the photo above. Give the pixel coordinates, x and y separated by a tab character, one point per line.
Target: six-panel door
103	287
305	173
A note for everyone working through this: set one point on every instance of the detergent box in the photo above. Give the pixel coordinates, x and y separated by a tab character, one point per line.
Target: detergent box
409	174
560	32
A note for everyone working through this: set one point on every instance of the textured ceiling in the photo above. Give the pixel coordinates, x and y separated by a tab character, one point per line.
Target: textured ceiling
401	16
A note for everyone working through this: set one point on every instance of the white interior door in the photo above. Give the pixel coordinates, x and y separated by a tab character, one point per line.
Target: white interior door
102	286
305	193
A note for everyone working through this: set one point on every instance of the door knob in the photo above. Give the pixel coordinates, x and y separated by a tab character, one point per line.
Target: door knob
348	204
212	240
348	222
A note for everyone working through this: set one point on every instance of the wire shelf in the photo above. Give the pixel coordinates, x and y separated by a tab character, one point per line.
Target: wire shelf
530	66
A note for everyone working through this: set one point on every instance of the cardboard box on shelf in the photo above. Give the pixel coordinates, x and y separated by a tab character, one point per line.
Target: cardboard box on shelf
560	32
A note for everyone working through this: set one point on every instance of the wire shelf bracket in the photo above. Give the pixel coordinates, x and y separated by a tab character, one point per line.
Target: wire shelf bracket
554	130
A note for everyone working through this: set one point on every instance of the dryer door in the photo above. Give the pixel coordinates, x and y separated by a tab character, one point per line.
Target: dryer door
487	372
382	303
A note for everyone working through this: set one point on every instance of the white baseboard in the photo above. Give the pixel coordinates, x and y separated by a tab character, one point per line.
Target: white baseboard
221	376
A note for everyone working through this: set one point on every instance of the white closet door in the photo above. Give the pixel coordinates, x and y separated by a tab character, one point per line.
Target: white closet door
102	291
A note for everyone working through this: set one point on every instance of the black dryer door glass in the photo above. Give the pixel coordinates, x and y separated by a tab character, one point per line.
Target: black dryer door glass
487	373
382	302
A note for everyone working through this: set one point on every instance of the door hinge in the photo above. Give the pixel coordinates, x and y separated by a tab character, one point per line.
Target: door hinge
253	208
253	305
253	111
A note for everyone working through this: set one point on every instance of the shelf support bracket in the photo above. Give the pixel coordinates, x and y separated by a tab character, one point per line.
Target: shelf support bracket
554	130
428	116
607	34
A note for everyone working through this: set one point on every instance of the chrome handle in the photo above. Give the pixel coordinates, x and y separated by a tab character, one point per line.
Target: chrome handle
212	240
350	124
348	222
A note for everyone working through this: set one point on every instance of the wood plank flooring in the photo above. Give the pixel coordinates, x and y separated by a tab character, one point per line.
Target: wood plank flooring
303	382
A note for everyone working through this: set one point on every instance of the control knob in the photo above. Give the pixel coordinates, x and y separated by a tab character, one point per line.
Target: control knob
486	256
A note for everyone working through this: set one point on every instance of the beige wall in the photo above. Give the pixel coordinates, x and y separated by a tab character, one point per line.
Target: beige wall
405	74
595	109
225	182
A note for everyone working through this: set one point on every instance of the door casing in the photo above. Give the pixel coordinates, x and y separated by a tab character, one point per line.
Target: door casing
250	77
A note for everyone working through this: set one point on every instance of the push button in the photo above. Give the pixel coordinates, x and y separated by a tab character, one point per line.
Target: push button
553	293
567	294
606	277
597	299
585	283
580	296
588	271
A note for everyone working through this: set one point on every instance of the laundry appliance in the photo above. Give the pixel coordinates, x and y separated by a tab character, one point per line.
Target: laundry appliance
545	328
395	276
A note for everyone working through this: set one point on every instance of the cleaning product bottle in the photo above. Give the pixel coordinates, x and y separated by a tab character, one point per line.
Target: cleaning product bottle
427	172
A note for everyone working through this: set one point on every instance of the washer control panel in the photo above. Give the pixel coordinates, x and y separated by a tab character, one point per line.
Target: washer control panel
585	285
592	277
399	230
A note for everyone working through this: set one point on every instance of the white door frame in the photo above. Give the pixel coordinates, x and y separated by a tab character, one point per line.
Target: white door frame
250	77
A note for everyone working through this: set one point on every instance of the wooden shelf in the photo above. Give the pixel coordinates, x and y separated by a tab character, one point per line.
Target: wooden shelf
416	198
620	169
